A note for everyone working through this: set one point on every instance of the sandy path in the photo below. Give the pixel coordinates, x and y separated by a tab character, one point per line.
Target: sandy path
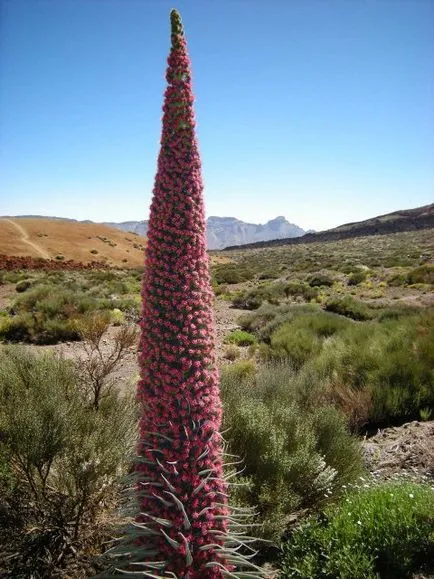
25	238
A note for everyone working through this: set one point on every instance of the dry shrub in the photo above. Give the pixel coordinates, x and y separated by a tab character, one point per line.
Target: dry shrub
354	403
102	356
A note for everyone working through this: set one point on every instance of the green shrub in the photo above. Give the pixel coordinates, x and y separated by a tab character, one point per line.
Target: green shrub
117	317
396	312
403	378
397	279
23	285
231	273
65	459
293	454
267	292
320	280
385	531
349	307
421	274
390	361
269	317
297	288
357	277
240	338
220	289
378	370
269	273
45	313
14	276
300	333
248	300
239	371
298	344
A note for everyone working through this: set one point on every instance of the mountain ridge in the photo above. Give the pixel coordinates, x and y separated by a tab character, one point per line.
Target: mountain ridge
279	231
223	231
394	222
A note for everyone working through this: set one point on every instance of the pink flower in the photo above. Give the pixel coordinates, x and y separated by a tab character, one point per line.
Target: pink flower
178	388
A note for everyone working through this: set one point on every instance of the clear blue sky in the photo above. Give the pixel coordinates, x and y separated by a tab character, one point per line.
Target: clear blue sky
321	111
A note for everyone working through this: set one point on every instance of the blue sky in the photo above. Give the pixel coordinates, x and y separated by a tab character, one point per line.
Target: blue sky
321	111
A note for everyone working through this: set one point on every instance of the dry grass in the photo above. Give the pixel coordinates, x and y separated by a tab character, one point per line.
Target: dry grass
72	240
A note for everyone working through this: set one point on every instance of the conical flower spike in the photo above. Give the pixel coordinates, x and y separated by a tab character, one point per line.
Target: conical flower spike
182	528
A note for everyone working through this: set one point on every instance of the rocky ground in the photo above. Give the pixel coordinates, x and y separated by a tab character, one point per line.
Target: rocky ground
407	450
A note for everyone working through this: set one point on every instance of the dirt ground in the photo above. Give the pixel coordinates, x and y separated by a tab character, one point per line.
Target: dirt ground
407	450
7	292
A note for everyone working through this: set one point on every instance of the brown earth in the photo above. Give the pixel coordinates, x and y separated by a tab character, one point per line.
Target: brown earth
81	242
407	450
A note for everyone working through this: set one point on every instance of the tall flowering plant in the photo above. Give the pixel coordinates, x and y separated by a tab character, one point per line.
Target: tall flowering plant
182	529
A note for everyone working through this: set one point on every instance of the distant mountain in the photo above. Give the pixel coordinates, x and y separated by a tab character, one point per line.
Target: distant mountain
402	220
138	227
224	231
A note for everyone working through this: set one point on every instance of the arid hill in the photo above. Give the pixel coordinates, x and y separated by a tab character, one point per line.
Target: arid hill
396	222
70	240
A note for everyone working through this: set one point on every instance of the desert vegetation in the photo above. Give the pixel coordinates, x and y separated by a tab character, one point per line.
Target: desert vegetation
250	465
62	458
301	380
49	306
375	531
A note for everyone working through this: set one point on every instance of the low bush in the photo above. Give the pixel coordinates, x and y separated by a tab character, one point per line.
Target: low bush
248	300
300	334
357	277
397	279
421	274
297	288
385	368
229	273
220	289
349	307
23	285
293	454
298	344
253	299
320	280
396	312
14	276
272	314
385	531
46	312
269	273
64	459
374	371
240	338
241	370
231	353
